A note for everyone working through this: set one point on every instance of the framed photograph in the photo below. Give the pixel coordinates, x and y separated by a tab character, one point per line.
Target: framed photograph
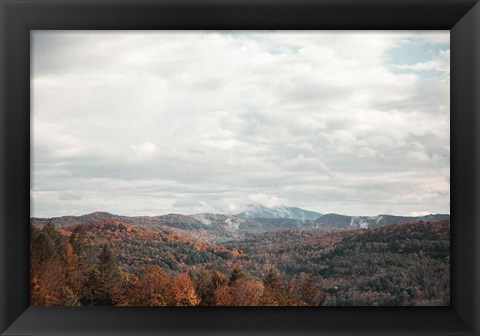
240	167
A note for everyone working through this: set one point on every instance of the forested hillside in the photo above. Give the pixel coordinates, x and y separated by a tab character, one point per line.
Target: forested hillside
113	263
135	247
219	228
393	265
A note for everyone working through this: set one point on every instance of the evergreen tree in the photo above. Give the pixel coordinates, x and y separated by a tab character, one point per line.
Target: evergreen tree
106	283
56	236
43	249
77	239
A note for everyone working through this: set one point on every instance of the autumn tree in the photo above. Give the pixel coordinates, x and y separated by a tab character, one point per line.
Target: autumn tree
237	274
309	293
185	291
207	283
73	270
151	287
223	296
246	292
78	239
48	279
274	292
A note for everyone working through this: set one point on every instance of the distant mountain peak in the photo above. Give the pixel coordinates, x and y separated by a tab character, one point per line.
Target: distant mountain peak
100	213
279	211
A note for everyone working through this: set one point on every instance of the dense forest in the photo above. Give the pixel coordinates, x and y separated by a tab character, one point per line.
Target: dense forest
108	262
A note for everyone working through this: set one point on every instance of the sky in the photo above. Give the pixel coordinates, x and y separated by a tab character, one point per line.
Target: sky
155	122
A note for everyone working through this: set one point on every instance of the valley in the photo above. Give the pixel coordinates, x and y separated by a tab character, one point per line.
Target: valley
242	260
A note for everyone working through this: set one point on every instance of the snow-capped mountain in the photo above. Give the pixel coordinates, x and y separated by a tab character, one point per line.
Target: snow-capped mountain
260	211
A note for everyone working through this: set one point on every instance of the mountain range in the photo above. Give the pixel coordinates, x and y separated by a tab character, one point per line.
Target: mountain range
260	211
331	259
217	228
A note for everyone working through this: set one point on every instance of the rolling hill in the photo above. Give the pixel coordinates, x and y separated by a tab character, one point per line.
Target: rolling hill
398	264
218	228
137	247
391	265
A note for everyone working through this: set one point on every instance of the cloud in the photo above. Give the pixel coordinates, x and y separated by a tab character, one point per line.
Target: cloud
146	149
419	213
157	122
265	200
441	63
70	195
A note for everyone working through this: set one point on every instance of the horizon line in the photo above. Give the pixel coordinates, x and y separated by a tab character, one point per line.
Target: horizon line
233	214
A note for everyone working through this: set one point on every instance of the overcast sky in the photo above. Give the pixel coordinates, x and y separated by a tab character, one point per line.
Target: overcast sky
147	123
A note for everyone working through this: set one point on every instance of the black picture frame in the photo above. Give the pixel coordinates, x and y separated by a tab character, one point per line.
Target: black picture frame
18	17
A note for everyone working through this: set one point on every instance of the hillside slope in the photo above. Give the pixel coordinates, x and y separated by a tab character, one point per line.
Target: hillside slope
137	247
392	265
206	227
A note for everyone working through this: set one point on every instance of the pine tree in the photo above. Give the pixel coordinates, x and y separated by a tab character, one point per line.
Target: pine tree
77	239
106	283
56	236
43	249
